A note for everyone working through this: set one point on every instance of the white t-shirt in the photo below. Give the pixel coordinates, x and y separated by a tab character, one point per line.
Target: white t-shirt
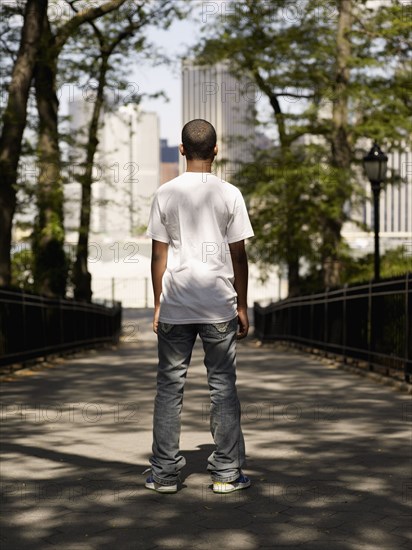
198	214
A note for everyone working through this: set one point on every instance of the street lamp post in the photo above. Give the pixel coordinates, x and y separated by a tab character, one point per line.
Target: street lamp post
376	163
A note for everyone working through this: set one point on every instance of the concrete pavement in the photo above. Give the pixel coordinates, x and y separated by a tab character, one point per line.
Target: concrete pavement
329	454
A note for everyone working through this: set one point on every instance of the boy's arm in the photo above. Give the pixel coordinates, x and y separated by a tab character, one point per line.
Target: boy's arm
241	272
158	267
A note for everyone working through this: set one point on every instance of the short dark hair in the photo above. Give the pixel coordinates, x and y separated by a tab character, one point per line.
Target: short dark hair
199	139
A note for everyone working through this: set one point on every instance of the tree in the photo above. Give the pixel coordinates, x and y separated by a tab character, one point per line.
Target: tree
381	97
340	143
112	39
50	265
271	184
319	55
277	51
13	124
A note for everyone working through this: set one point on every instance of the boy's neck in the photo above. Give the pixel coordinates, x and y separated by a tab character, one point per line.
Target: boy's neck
199	165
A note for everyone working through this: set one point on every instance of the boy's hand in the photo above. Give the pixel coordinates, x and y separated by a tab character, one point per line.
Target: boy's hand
156	318
243	322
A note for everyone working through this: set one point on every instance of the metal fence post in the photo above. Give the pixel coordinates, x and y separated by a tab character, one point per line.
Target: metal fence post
113	289
406	373
60	313
325	328
311	317
23	302
344	322
371	336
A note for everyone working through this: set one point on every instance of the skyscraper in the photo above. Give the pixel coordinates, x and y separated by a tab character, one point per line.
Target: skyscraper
212	93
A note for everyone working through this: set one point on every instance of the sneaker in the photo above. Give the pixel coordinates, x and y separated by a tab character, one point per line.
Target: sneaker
242	482
158	487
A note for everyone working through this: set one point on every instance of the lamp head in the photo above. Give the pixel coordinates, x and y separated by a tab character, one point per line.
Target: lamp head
376	164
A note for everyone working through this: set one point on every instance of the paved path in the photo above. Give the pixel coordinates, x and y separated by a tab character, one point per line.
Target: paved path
329	454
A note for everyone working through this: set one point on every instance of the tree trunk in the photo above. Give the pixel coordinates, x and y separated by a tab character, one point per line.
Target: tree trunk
14	122
50	263
293	278
81	276
340	144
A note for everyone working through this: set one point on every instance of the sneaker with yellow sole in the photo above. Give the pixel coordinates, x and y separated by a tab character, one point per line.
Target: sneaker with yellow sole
242	482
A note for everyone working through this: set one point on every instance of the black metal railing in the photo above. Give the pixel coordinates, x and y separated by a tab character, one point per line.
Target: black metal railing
33	326
371	323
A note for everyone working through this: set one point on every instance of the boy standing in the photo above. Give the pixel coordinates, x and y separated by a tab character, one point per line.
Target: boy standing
198	224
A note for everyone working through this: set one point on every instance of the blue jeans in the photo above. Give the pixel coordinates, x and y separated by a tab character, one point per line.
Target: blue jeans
175	345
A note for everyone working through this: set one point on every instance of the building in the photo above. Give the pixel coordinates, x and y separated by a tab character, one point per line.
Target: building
212	93
395	205
169	161
395	209
126	171
126	176
130	162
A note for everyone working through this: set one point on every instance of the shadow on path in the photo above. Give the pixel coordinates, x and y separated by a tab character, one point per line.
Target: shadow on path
329	454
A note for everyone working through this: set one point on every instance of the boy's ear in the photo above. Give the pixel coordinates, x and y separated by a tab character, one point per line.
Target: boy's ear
182	150
215	150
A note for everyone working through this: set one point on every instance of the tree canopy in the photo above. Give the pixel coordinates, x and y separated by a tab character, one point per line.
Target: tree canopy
335	75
